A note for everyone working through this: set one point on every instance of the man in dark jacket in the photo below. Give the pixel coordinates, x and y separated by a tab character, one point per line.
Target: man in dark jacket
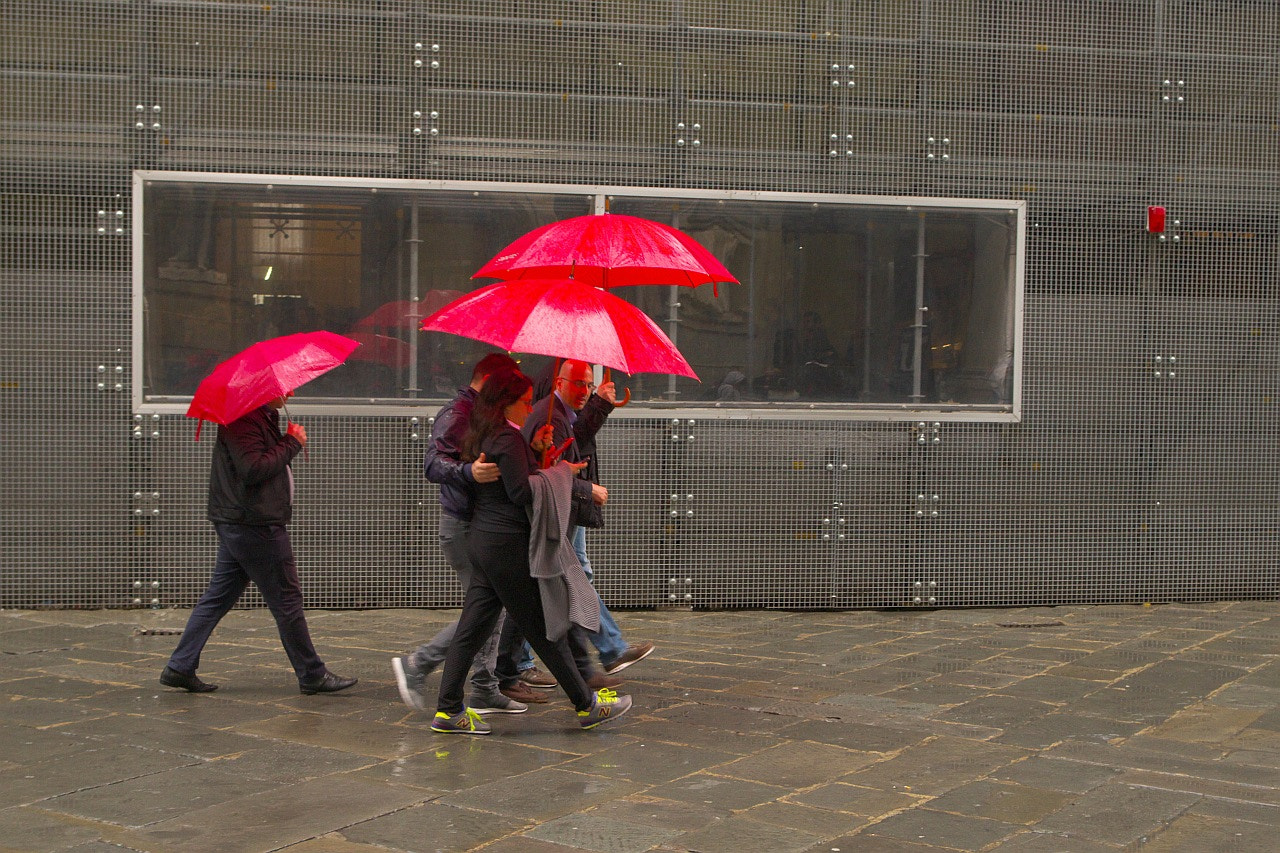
575	411
250	502
443	465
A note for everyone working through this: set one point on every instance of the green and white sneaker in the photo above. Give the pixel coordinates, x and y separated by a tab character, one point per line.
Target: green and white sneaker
605	706
466	723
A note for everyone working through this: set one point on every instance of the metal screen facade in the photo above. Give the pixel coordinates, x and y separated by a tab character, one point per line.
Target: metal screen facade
1142	461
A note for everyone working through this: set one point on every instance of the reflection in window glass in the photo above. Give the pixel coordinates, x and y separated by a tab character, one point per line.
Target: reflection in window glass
226	265
840	304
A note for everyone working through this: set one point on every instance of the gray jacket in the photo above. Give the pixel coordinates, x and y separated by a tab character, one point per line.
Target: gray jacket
568	598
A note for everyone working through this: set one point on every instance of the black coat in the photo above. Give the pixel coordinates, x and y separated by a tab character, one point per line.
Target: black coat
584	428
249	479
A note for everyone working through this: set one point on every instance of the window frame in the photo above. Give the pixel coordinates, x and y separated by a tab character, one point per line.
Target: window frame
1010	412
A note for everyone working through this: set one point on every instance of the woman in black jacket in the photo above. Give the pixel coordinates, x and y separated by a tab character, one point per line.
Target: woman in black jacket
499	550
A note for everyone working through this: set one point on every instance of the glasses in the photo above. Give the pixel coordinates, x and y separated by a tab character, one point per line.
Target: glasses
580	384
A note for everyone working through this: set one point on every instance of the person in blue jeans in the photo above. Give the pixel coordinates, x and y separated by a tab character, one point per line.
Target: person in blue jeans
443	465
577	409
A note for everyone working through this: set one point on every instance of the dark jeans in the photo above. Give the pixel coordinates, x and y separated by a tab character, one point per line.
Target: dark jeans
263	555
500	578
511	646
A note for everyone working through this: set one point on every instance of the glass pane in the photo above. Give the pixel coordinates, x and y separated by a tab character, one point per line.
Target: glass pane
838	303
226	265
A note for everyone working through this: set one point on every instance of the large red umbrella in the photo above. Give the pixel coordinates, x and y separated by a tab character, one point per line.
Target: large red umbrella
266	370
564	318
608	250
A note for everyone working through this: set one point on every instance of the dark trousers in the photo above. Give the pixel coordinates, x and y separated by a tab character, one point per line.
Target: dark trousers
263	555
500	578
511	646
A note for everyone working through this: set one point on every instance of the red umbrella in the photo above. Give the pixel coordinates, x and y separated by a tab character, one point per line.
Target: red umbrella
264	371
608	250
405	313
564	318
381	349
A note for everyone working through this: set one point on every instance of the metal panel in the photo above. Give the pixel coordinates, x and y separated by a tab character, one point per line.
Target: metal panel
1127	478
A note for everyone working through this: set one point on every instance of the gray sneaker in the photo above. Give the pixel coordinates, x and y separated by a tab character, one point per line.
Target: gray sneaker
495	703
466	723
412	684
605	706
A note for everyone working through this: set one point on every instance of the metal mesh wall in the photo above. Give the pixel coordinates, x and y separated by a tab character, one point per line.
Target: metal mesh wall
1142	470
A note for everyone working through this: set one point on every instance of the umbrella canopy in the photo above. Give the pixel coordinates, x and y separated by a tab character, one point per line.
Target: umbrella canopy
266	370
563	318
608	250
381	349
405	313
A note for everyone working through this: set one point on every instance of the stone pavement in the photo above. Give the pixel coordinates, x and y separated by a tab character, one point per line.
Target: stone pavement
1089	728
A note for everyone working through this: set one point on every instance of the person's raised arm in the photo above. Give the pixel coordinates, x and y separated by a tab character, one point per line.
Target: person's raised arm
254	457
442	463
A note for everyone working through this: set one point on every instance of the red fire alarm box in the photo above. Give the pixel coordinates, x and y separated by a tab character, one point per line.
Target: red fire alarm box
1155	220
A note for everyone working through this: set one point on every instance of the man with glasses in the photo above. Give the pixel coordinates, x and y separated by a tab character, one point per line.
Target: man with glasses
574	410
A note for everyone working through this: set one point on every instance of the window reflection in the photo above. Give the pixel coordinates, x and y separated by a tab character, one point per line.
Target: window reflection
839	303
836	300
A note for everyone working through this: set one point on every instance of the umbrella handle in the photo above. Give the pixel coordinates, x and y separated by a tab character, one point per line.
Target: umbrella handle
288	420
608	377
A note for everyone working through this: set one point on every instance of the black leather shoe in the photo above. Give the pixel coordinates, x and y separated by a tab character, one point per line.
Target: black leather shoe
330	683
191	683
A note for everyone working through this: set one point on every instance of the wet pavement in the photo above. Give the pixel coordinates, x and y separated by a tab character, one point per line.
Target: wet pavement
1087	728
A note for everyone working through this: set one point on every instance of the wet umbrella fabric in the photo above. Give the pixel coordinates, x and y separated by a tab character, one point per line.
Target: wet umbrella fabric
608	250
563	318
266	370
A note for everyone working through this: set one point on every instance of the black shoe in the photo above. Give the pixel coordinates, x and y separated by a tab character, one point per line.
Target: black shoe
191	683
328	683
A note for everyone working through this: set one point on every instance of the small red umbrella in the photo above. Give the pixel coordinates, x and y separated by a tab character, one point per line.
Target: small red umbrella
564	318
266	370
608	250
405	313
381	349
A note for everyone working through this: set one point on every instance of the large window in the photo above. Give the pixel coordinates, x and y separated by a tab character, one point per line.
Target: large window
848	305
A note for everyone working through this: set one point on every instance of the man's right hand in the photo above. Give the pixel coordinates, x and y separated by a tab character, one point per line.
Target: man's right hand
484	472
298	431
599	494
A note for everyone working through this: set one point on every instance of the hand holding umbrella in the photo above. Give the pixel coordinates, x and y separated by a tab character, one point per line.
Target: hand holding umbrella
609	392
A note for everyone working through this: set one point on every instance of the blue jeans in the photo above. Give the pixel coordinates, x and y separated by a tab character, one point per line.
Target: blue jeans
263	555
428	656
608	640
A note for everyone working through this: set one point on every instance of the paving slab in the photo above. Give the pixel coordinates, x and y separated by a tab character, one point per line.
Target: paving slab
928	826
1020	730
